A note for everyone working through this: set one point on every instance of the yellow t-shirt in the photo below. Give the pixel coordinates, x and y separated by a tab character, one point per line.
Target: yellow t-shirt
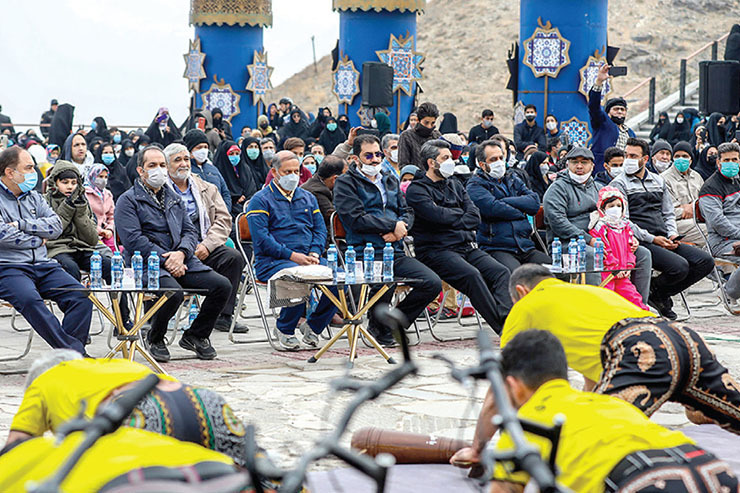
110	457
578	315
599	431
55	396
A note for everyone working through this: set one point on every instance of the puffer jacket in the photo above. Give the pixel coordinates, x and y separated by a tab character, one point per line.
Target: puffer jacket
79	224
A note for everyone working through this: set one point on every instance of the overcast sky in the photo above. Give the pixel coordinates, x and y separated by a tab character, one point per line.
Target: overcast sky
123	59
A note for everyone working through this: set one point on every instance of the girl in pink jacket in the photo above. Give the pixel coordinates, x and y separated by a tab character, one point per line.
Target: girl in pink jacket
101	202
616	234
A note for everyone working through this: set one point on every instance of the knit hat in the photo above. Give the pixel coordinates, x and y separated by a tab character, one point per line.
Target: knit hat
456	144
194	137
682	145
66	174
409	169
614	102
660	145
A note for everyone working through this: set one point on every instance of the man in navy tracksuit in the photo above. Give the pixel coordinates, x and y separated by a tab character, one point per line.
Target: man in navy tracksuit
27	275
373	210
288	230
607	124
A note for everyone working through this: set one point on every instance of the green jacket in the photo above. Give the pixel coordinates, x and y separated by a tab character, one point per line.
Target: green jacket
79	226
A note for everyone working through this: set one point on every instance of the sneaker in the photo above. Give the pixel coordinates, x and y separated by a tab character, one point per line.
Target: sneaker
664	307
287	342
223	324
448	314
202	347
159	351
384	338
432	312
310	338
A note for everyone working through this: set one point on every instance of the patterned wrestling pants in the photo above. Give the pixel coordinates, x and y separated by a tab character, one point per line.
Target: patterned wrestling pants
192	415
648	361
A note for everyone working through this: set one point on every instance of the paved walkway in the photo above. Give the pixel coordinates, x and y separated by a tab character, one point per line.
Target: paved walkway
290	402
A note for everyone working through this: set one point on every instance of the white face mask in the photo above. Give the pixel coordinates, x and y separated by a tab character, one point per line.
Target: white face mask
156	177
579	178
200	155
374	124
129	152
289	182
447	168
631	166
679	120
544	169
394	155
613	213
661	166
497	169
551	126
616	171
370	170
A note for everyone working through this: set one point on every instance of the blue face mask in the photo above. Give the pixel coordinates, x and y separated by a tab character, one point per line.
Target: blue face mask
465	159
253	153
93	125
234	159
319	158
682	164
29	181
117	138
331	126
311	168
729	169
108	158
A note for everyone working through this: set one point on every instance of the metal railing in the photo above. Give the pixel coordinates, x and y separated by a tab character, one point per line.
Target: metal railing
683	75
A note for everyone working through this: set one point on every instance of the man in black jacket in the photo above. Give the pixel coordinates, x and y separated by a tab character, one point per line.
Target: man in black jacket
484	130
373	210
321	185
444	236
528	133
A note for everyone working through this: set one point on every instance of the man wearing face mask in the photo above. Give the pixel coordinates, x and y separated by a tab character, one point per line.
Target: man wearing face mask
288	230
650	209
568	204
26	273
504	203
197	143
660	155
151	217
683	184
608	123
373	210
444	236
613	162
528	132
411	140
389	144
484	130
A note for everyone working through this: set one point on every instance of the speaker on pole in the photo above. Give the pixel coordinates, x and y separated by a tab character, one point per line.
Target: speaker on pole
377	85
719	87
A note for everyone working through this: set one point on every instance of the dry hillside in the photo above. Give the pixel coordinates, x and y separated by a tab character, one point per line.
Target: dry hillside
466	43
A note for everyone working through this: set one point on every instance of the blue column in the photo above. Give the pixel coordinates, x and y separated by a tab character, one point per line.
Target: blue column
584	24
361	34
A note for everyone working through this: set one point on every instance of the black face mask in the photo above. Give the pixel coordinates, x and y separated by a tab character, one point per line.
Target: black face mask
423	131
263	125
619	120
530	117
712	159
216	121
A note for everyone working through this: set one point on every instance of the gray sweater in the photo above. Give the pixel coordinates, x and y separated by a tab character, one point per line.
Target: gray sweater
36	222
568	206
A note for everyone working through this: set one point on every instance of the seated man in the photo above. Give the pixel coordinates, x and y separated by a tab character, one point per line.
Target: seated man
298	147
288	230
49	401
390	164
643	360
650	210
444	236
151	217
373	210
212	222
27	276
718	199
504	203
197	144
621	449
613	162
683	183
321	185
568	204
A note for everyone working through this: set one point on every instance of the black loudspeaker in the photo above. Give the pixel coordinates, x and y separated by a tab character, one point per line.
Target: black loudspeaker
377	85
719	87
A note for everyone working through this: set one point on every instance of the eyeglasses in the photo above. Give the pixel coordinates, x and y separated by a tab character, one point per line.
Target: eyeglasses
369	155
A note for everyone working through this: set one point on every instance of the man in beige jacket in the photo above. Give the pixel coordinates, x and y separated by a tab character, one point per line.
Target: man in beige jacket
211	218
684	183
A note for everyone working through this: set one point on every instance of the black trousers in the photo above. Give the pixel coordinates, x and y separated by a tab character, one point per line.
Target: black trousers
73	263
478	276
679	268
422	292
513	260
219	289
229	263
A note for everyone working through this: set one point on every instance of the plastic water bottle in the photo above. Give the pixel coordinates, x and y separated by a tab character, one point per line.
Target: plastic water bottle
350	260
96	271
388	263
193	313
331	260
598	255
137	263
152	267
557	255
116	271
368	257
581	254
572	256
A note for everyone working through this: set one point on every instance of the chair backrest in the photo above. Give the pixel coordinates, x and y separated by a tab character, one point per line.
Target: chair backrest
697	212
539	218
242	229
337	229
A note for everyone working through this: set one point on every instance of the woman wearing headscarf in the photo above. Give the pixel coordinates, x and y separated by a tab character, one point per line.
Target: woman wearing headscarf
343	122
61	124
296	127
319	124
449	124
706	165
537	169
118	179
265	130
331	136
239	180
732	47
102	203
127	150
716	129
273	116
662	129
382	124
163	130
254	161
220	125
98	129
681	130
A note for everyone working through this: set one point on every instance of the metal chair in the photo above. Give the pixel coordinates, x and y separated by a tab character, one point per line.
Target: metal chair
30	335
537	224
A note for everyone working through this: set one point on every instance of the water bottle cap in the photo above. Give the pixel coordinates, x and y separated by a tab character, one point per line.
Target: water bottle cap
136	252
388	244
369	244
350	247
557	239
580	237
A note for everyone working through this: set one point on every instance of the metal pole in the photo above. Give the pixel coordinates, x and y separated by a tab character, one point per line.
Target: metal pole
313	45
651	108
682	83
714	50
